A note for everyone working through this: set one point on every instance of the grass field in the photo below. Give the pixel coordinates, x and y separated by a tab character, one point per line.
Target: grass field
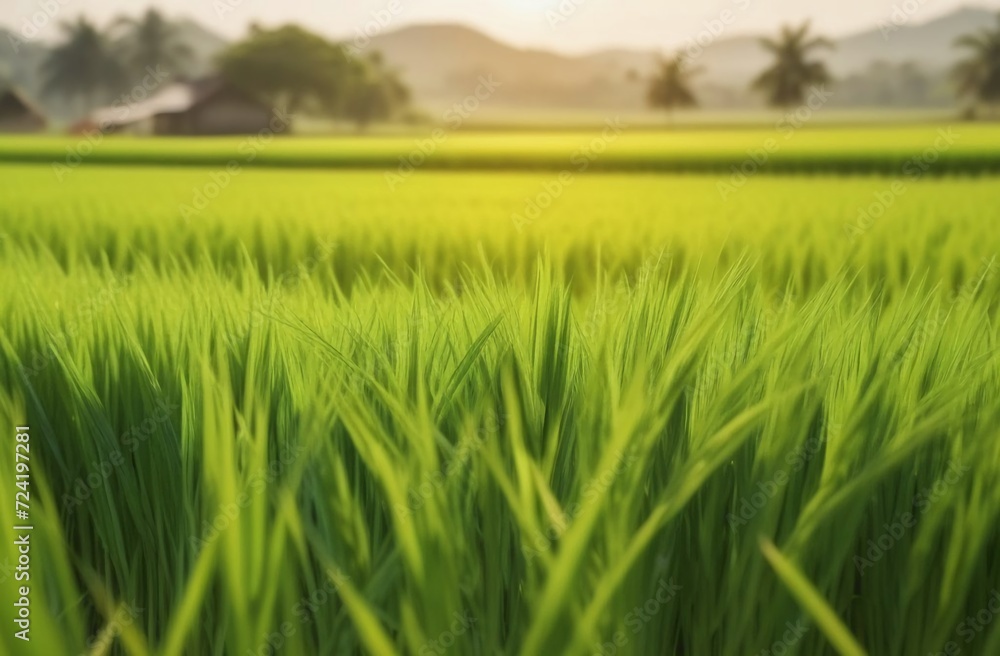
807	229
314	415
792	145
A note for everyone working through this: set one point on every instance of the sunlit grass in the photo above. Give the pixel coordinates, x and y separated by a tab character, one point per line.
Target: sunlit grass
807	229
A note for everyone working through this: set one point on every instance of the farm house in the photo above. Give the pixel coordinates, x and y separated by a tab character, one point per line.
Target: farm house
204	107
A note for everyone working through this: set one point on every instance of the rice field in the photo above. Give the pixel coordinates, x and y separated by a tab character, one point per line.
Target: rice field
318	414
793	143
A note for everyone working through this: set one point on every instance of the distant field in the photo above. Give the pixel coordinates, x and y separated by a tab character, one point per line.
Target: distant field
508	119
807	229
959	148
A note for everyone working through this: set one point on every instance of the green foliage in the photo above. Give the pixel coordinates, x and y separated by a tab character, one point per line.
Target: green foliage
374	93
978	76
298	70
290	66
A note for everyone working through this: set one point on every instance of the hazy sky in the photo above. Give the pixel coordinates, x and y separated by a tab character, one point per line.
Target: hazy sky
583	24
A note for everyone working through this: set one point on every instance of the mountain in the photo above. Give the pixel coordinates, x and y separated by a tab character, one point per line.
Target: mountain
931	44
442	62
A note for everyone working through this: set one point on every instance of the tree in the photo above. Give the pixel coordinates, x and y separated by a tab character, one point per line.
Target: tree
150	42
297	70
792	73
82	66
289	67
375	93
670	88
978	76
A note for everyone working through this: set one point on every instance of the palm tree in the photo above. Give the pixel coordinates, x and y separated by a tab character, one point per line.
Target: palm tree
670	88
81	66
152	41
978	76
785	83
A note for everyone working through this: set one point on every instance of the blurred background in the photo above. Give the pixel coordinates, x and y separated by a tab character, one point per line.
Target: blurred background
190	67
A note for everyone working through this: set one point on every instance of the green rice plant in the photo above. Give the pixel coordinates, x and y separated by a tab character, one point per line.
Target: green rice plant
344	227
677	460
